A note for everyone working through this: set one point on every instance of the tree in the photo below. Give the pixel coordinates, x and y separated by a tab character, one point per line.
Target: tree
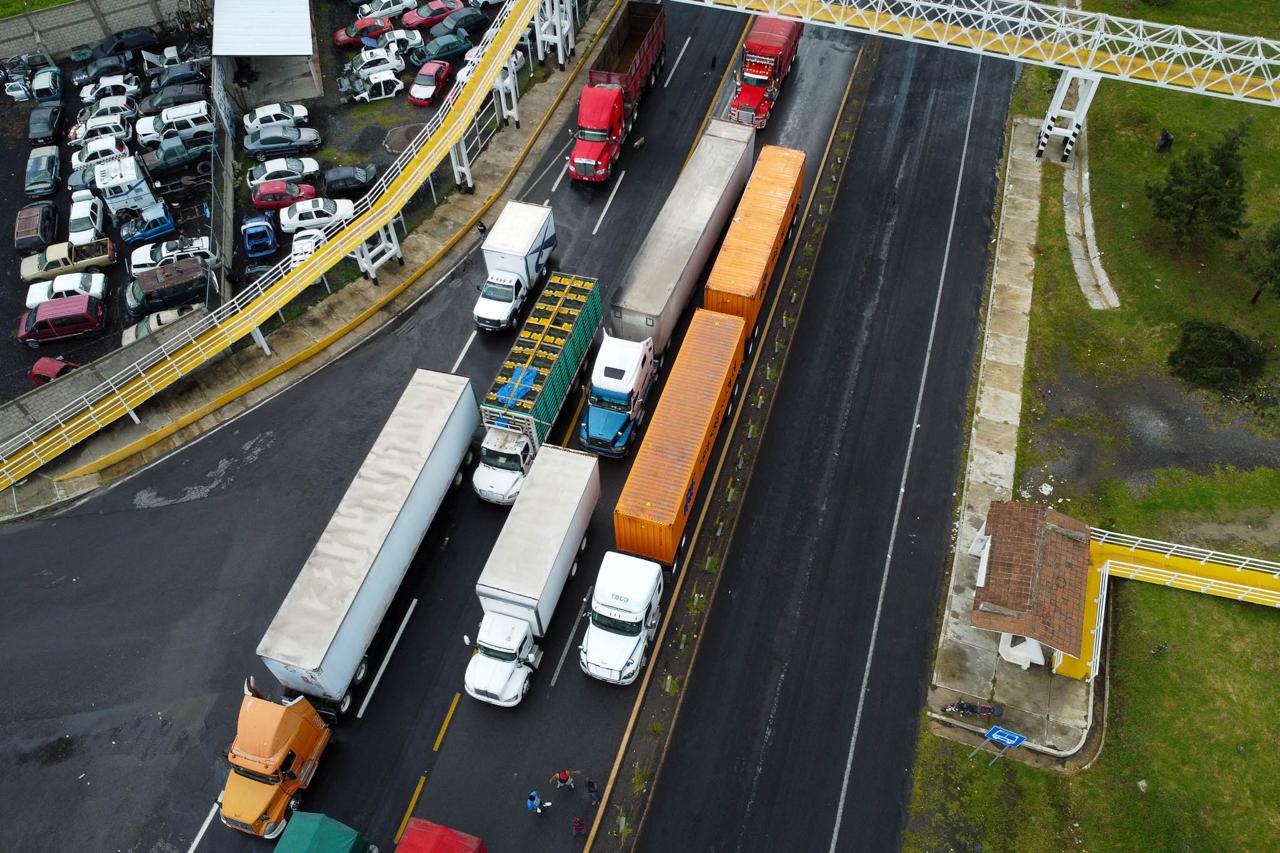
1204	189
1212	355
1261	258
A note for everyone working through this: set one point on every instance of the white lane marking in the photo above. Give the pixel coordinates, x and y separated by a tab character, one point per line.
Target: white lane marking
463	354
386	659
555	161
560	177
906	467
546	202
679	57
609	202
205	826
569	643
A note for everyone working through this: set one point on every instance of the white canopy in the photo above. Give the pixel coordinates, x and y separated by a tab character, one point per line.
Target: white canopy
262	28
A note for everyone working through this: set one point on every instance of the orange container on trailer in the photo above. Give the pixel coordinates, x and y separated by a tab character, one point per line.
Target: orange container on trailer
654	507
743	269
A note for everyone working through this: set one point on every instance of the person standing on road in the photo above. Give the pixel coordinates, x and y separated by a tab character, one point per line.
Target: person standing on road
579	827
483	229
593	792
534	803
564	779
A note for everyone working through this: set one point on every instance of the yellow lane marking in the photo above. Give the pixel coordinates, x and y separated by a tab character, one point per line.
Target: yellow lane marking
445	725
408	813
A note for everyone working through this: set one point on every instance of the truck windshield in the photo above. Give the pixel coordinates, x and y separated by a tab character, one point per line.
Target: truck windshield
495	459
760	81
257	777
588	134
606	400
615	626
498	292
496	654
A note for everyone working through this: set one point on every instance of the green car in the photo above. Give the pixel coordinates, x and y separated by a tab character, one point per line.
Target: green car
446	49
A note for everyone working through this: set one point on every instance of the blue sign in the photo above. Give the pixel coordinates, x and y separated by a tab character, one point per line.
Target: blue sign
1005	738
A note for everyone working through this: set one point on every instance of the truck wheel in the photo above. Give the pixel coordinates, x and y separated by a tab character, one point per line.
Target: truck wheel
362	671
457	478
295	804
524	689
573	570
466	462
344	704
33	344
582	546
262	158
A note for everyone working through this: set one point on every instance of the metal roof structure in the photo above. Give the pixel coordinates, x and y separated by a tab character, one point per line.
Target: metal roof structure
255	28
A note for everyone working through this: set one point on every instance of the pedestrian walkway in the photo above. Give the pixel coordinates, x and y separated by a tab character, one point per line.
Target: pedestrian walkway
1052	712
240	380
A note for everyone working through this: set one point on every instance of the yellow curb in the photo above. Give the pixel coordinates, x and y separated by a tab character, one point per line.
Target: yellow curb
138	445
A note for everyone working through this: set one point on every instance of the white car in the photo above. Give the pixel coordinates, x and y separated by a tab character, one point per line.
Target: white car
385	8
473	58
294	114
372	60
305	243
68	284
296	169
87	215
404	40
114	105
315	213
98	151
152	322
116	84
154	255
379	87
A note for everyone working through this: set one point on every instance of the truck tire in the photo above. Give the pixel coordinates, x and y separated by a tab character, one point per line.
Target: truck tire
344	704
582	546
573	570
457	479
466	462
362	671
33	344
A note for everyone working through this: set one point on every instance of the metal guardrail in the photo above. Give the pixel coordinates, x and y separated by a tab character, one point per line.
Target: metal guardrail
124	391
1171	549
1192	583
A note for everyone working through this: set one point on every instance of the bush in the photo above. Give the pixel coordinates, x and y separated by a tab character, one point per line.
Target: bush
1212	355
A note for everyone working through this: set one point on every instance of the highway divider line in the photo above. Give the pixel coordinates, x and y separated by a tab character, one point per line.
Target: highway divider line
609	202
676	64
463	354
408	813
444	727
724	452
142	443
386	659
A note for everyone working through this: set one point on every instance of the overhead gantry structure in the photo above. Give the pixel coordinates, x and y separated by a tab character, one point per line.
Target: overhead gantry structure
1086	46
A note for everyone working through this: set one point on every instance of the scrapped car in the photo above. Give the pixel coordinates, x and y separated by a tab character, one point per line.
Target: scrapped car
430	83
189	122
349	180
59	319
46	85
402	40
281	139
120	84
42	171
69	284
283	169
429	14
152	323
102	127
171	96
386	8
44	123
258	235
354	34
101	67
155	255
468	20
34	227
305	243
46	369
84	223
273	195
179	75
133	38
376	87
315	213
99	151
116	105
272	114
372	60
443	49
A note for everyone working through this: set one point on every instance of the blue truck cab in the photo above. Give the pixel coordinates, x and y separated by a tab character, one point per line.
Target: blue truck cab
621	380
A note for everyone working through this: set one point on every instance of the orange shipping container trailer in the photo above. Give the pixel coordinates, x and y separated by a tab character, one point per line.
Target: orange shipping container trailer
650	518
740	277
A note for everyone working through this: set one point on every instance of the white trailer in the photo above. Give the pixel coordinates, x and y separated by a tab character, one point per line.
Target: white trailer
124	187
517	251
535	555
317	642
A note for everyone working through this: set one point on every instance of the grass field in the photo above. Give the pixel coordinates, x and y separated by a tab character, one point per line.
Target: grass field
14	7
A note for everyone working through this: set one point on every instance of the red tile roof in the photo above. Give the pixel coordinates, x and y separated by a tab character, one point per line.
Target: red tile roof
1037	568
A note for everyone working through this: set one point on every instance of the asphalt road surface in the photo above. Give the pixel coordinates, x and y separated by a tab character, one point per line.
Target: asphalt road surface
798	728
132	618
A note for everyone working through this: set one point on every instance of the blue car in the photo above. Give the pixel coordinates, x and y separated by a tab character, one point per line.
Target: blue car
259	235
152	224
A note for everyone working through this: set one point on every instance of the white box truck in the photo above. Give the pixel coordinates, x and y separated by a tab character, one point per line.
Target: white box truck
626	608
317	642
517	253
535	555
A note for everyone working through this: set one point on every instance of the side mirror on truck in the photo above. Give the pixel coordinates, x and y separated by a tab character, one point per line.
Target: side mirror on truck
466	641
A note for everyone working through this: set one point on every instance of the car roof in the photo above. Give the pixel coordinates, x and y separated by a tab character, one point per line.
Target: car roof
68	306
272	186
158	278
45	151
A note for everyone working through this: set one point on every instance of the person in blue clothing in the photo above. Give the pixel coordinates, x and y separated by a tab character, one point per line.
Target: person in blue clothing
534	803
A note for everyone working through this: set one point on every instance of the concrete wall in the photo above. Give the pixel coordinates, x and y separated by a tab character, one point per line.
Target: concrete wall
63	27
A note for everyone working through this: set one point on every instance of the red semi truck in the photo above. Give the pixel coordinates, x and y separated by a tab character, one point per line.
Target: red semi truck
422	836
767	54
625	68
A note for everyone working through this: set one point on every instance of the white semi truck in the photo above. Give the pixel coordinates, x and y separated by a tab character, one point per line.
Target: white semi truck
317	642
659	284
625	612
517	251
535	555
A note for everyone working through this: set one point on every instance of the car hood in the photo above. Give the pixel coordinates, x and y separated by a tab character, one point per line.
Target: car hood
486	675
246	800
140	259
584	150
604	423
607	650
422	91
496	484
492	309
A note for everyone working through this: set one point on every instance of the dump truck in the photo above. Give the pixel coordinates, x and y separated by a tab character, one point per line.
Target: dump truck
659	284
317	644
534	557
516	252
535	379
64	258
423	836
768	52
763	222
626	67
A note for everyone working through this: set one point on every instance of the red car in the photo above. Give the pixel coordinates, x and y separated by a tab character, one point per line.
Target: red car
47	369
430	13
273	195
430	83
351	34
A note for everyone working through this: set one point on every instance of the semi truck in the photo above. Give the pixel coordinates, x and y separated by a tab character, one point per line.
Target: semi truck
659	284
658	496
626	67
768	52
517	250
534	557
535	379
316	645
763	222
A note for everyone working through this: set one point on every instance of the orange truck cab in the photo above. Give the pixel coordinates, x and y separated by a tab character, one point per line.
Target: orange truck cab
274	756
767	54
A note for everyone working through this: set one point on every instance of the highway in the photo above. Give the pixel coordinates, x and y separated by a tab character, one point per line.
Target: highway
133	616
798	728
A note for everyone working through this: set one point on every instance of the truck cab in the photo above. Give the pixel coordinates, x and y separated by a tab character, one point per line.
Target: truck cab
501	297
273	757
505	457
601	117
767	54
623	375
626	608
505	658
517	251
